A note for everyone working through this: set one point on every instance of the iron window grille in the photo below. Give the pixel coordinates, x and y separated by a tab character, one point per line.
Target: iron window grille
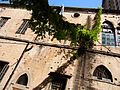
3	68
23	80
3	20
102	73
58	81
22	29
108	36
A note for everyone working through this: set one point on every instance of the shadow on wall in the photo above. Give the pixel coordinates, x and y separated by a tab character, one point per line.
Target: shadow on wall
60	73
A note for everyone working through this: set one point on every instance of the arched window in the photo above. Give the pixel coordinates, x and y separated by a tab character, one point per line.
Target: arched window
108	34
118	34
23	80
102	73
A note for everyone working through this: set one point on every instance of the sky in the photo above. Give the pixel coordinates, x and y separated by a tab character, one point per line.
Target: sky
77	3
5	1
72	3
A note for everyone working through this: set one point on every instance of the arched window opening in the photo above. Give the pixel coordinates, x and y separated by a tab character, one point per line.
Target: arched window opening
118	24
23	80
108	34
102	73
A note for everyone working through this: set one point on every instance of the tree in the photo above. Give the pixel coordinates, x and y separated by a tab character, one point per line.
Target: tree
47	19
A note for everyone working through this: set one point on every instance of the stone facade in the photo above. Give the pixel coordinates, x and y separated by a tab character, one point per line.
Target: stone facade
33	66
111	4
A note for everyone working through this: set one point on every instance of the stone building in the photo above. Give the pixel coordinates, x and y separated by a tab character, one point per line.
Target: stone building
111	4
30	66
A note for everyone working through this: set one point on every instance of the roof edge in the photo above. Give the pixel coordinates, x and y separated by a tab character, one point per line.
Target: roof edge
75	9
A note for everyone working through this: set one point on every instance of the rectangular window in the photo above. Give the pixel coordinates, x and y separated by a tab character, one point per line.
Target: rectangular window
3	20
3	68
22	29
108	39
58	81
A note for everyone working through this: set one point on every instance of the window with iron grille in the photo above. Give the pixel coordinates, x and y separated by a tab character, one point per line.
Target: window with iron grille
22	29
118	36
108	34
23	80
3	68
3	20
58	81
102	73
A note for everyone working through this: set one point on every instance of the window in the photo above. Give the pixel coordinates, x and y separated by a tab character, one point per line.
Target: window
108	34
23	80
58	81
118	35
3	20
22	29
3	68
102	73
76	15
117	5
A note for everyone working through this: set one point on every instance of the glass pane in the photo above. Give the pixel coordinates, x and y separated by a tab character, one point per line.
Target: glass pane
108	39
118	40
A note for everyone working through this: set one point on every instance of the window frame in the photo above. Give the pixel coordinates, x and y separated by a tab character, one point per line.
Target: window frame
4	69
23	27
108	34
20	79
59	81
3	21
100	72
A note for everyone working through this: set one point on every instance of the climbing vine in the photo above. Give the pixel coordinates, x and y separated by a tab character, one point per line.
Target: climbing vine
46	19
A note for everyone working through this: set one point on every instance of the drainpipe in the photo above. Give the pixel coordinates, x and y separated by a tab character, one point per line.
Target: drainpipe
20	58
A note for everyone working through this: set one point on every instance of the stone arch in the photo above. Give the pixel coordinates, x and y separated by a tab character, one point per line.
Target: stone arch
23	79
102	73
21	73
118	23
118	26
110	24
108	34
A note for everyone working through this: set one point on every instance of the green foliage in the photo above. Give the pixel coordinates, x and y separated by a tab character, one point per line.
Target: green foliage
79	35
46	19
88	37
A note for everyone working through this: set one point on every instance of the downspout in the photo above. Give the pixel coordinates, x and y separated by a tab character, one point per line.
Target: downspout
20	58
